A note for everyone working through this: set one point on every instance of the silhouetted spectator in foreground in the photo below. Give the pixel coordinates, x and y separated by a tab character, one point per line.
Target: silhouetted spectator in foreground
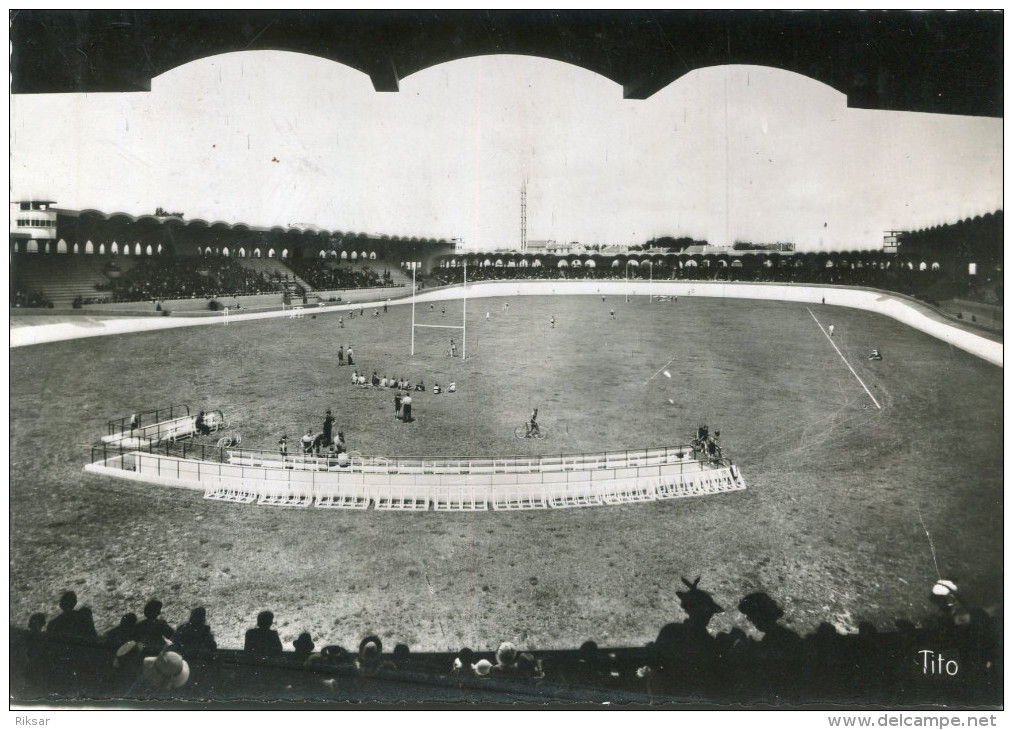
263	641
303	646
506	658
528	667
36	623
126	631
764	613
775	660
77	623
589	664
193	640
153	630
166	671
402	657
370	651
335	654
463	661
686	654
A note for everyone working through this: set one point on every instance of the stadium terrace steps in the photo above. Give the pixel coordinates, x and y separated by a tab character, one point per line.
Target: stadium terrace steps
271	267
378	266
64	277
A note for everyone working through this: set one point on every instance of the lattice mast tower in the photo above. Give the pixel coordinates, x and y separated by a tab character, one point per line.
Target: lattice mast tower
524	216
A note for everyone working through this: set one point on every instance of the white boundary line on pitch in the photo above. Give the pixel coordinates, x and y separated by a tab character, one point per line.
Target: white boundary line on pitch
656	374
834	345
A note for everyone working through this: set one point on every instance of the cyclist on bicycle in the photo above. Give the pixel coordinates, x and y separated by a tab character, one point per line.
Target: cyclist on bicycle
533	424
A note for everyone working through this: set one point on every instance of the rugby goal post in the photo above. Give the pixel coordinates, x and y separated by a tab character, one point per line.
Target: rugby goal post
464	316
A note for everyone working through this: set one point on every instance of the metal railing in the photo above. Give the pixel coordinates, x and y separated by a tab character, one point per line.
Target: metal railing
190	462
145	419
412	464
261	458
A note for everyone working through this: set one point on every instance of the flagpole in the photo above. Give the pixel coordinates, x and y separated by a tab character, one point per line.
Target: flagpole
413	309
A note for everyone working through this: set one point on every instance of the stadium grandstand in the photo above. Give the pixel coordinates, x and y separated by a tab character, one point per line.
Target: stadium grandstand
64	258
955	261
68	258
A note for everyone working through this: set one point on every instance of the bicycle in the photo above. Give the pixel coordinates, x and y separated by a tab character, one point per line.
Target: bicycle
233	439
524	431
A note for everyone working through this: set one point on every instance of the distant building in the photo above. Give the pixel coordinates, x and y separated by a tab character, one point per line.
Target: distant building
782	247
33	224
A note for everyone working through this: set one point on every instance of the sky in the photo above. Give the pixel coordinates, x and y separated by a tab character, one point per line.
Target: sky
723	154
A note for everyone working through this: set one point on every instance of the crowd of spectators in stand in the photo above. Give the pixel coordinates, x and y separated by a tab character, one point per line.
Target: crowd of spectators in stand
686	659
931	286
185	277
326	274
21	299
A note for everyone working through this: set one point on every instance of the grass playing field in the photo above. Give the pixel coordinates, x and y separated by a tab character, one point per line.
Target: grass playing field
842	500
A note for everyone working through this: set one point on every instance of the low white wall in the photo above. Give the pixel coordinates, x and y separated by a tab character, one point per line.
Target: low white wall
893	306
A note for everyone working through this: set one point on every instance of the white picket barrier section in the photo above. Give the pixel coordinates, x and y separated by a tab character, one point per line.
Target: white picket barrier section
295	492
519	496
466	496
400	493
228	490
625	491
449	485
561	494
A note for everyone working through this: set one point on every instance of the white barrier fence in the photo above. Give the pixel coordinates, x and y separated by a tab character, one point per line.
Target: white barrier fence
443	485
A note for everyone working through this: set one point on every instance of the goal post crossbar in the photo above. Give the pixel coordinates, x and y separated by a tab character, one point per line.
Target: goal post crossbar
464	316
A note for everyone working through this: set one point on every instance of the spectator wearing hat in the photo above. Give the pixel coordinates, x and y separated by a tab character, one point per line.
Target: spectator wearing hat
153	630
406	409
193	640
303	646
686	654
776	657
167	671
506	657
370	660
72	622
764	613
126	631
263	641
335	654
